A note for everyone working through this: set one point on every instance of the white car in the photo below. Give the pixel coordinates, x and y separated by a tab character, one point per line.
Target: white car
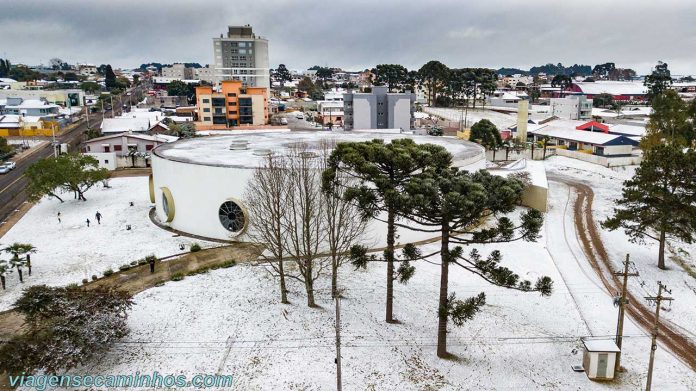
299	115
10	165
4	169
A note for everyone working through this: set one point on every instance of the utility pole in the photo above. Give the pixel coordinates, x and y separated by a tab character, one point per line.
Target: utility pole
658	301
623	301
339	386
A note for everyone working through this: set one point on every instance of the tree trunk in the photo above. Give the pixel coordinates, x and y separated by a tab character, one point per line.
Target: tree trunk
494	154
54	195
334	276
389	256
19	271
442	305
283	289
661	258
29	263
2	280
544	156
309	284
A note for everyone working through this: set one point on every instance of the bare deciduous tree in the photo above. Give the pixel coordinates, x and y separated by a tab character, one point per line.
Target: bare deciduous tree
266	199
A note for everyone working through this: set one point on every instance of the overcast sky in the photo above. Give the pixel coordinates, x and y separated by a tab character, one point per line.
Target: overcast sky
356	34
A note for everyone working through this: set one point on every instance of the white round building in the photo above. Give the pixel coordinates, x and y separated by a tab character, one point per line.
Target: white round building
198	184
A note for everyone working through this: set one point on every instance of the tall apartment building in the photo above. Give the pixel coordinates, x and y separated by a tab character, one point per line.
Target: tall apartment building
576	107
233	105
378	109
242	56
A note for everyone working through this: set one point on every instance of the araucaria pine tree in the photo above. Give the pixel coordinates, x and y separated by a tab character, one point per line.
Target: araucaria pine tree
659	202
382	171
466	209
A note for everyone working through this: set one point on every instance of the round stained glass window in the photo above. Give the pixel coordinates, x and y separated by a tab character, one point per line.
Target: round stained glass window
232	216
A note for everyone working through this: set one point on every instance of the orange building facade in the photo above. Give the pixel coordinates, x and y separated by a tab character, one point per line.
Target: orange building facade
233	105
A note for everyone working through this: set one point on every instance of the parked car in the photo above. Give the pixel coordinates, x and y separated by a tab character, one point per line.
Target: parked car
299	115
10	165
4	169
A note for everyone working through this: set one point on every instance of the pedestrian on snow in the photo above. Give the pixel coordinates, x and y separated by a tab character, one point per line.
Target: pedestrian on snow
98	216
59	218
151	261
88	222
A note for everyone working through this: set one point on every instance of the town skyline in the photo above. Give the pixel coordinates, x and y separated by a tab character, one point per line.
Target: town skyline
482	35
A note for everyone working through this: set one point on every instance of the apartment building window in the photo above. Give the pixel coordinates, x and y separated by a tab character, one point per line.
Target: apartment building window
233	112
204	100
206	109
232	103
206	119
117	147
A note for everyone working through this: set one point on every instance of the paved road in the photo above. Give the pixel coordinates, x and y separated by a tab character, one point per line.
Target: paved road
13	184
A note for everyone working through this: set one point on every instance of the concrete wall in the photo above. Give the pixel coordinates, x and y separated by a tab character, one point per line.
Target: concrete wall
364	112
106	160
601	160
399	112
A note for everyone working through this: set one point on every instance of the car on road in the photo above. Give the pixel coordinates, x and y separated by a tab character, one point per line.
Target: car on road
283	121
4	169
299	115
10	165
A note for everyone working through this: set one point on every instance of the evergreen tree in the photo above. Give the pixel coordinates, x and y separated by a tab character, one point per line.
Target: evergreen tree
394	76
382	170
485	133
672	121
658	81
281	75
5	67
433	76
562	82
659	202
454	203
110	78
64	328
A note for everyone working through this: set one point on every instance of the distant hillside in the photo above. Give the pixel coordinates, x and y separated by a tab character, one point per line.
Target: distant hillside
550	69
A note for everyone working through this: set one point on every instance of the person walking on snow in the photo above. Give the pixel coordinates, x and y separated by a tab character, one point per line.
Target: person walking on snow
59	218
88	222
98	216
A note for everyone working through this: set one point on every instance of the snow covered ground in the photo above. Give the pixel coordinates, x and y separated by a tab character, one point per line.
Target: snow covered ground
69	251
607	184
500	120
229	321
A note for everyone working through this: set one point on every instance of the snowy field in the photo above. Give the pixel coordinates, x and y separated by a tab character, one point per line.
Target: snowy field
229	321
607	184
69	251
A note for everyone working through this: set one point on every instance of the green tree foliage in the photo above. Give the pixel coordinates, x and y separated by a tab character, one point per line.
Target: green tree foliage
64	327
75	173
5	148
178	88
110	78
659	202
324	74
23	73
313	90
485	133
281	75
562	82
20	257
394	76
672	121
603	100
658	81
382	170
453	203
5	67
433	77
90	87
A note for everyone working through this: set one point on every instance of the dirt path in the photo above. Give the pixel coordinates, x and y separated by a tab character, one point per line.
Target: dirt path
670	335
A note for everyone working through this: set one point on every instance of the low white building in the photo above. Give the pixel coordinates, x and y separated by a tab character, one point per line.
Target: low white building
123	125
124	149
331	112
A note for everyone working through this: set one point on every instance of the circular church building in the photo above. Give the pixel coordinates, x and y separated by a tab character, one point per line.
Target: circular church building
198	184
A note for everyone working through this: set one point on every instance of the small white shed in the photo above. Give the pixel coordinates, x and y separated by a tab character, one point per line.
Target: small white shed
600	358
